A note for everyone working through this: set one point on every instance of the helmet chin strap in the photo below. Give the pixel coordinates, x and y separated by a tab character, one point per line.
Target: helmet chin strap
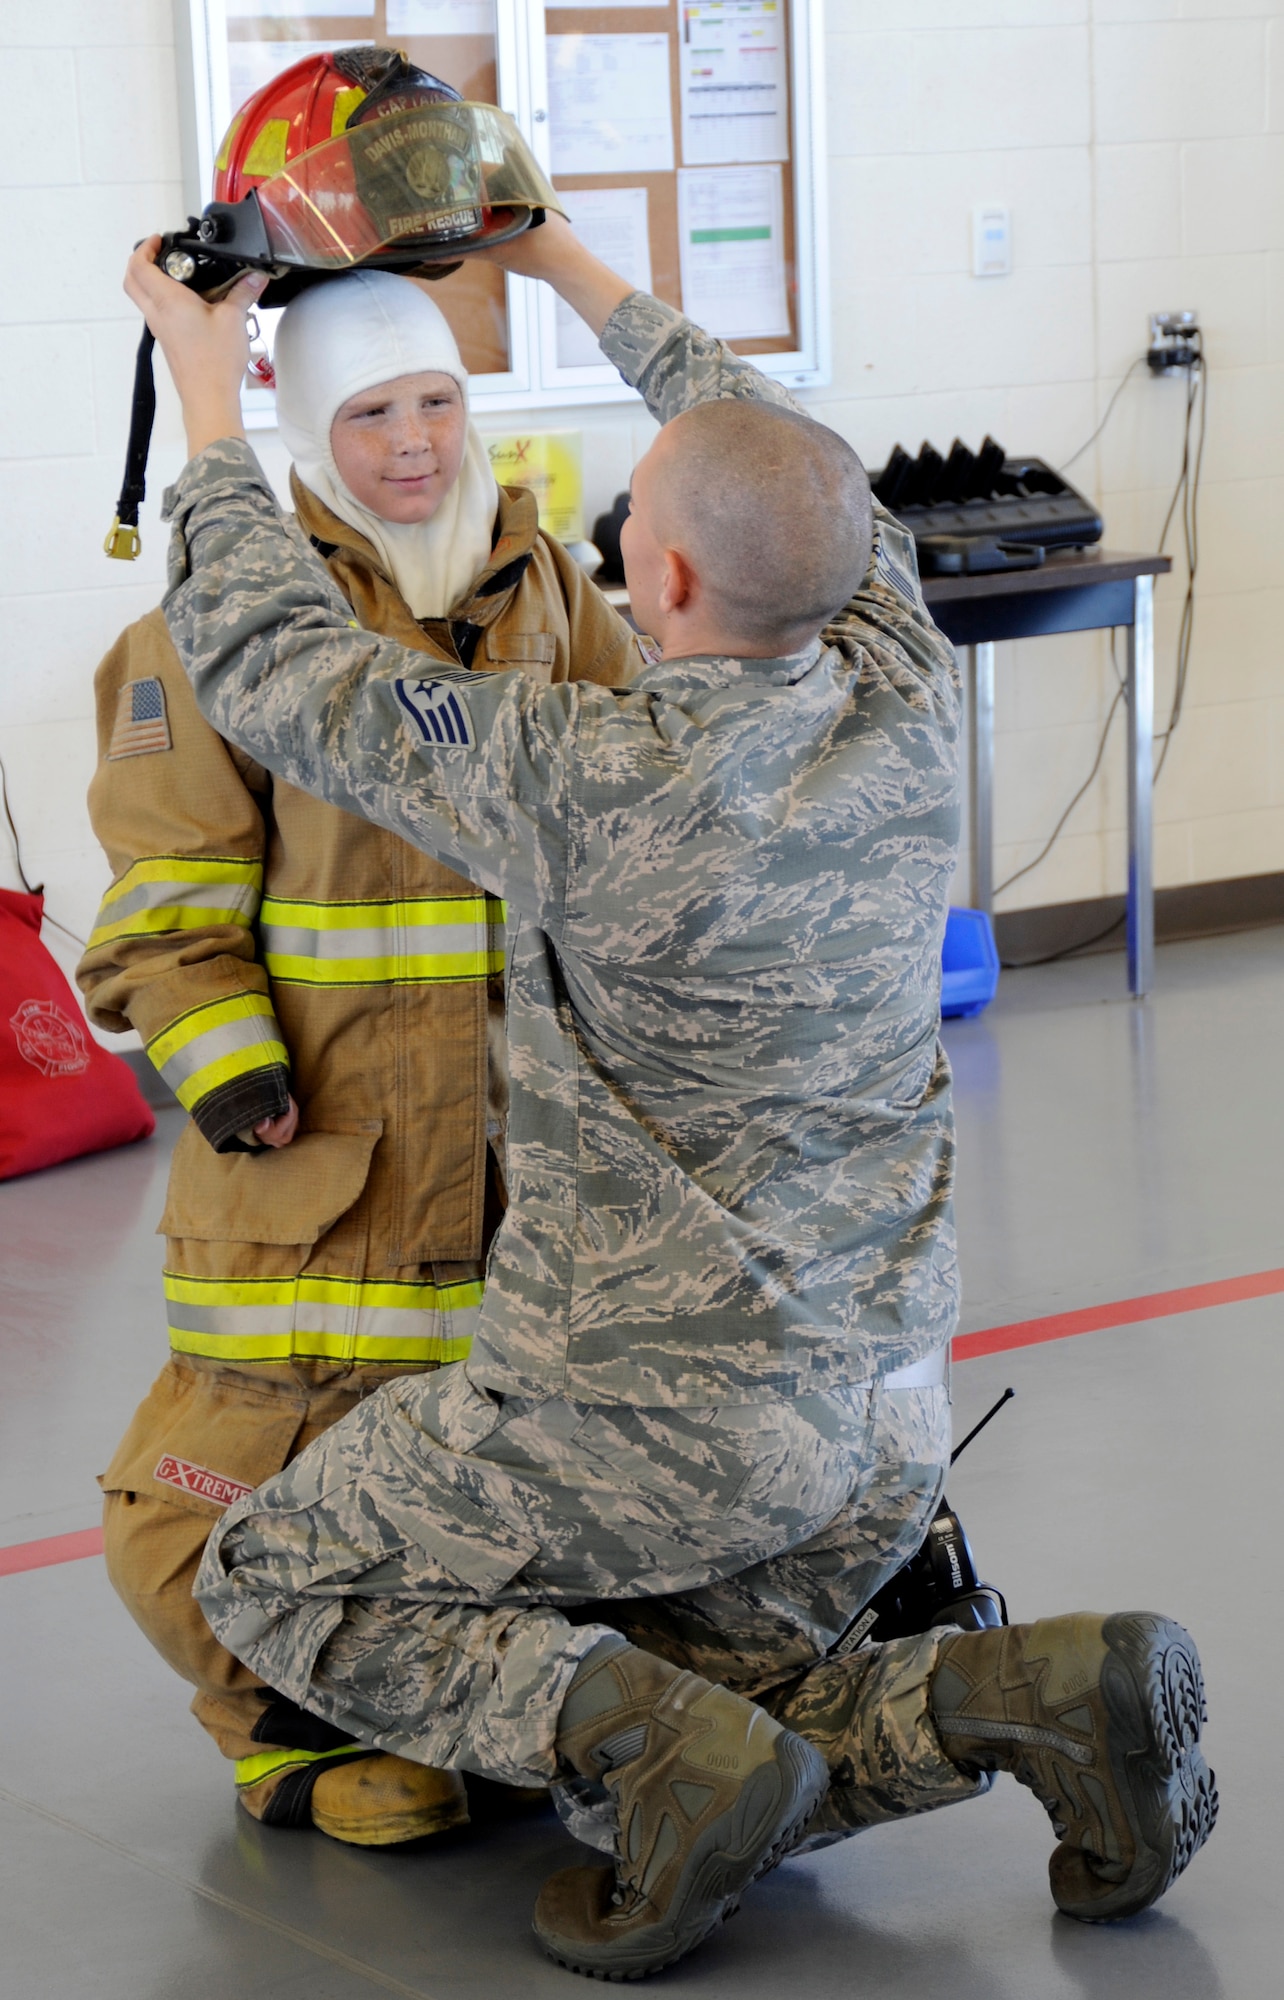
123	540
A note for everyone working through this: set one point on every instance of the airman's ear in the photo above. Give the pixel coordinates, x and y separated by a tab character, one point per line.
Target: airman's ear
678	585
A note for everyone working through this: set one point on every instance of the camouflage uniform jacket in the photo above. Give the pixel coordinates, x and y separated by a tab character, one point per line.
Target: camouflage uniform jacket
730	1138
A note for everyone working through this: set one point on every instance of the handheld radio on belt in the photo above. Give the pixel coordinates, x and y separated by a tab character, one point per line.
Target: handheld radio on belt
349	160
939	1585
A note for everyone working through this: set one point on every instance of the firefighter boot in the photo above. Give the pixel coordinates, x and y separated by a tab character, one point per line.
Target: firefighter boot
364	1797
1100	1717
709	1792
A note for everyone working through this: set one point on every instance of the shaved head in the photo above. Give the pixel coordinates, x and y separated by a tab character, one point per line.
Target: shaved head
770	510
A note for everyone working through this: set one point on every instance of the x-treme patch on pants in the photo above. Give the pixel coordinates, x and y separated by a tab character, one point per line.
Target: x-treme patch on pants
430	1572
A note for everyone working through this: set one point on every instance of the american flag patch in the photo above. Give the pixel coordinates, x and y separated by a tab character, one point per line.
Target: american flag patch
141	721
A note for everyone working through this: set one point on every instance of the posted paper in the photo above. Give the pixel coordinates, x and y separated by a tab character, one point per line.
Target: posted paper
731	245
297	10
548	462
731	63
612	223
609	104
441	17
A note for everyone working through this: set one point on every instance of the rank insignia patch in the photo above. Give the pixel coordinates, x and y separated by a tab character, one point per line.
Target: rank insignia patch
437	712
141	721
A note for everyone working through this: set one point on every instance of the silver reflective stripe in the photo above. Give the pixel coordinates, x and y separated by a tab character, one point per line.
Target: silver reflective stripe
239	897
393	941
212	1044
389	1323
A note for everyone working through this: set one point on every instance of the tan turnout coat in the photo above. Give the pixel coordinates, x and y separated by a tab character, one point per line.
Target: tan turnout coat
260	940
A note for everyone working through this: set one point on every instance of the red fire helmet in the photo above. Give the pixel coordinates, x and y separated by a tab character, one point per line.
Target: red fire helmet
356	157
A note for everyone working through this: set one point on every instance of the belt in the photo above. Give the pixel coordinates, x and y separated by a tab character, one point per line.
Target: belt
929	1373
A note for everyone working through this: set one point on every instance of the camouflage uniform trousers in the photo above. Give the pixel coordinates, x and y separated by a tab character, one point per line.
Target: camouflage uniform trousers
429	1573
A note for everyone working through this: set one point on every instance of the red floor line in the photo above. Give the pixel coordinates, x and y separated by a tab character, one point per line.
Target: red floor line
1122	1312
967	1347
54	1549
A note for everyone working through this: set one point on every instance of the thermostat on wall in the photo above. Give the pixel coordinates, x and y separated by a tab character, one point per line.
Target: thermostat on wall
991	240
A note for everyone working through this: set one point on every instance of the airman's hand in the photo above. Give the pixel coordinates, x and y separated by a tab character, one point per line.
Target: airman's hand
206	346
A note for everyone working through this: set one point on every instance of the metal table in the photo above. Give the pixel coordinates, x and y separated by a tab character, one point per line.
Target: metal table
1082	590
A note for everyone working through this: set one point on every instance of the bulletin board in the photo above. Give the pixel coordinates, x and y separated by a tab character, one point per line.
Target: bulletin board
685	135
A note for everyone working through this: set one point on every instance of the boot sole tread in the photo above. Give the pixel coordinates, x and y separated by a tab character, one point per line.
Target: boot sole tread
1153	1688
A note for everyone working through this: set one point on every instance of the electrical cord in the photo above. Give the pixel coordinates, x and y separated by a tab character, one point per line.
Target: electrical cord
1120	386
38	889
1188	490
1186	496
13	831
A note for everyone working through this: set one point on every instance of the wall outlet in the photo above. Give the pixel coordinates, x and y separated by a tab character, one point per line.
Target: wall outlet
991	240
1175	342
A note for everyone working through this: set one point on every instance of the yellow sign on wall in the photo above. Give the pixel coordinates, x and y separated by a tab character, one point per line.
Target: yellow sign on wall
549	463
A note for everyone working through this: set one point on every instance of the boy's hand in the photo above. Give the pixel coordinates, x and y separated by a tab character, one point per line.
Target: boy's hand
275	1131
554	252
206	346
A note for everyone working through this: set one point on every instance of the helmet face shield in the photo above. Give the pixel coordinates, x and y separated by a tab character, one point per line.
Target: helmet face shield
428	182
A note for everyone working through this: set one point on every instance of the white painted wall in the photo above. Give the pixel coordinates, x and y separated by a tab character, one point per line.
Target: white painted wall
1140	146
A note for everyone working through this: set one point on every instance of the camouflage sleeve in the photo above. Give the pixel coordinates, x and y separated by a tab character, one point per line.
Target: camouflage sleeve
888	622
675	365
470	767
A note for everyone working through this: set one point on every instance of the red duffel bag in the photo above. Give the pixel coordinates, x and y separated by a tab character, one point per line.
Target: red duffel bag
60	1094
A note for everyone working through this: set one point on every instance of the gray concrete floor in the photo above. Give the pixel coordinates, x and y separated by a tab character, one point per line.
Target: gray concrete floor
1106	1151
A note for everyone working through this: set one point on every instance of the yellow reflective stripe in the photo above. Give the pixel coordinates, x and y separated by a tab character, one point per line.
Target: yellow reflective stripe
189	868
291	970
215	1043
173	917
316	1289
385	915
405	1353
198	1021
253	1770
322	1318
225	1069
174	892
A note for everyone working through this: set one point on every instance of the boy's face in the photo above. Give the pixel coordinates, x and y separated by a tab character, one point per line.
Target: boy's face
399	446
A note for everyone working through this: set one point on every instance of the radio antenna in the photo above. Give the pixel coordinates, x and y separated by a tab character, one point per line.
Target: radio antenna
959	1449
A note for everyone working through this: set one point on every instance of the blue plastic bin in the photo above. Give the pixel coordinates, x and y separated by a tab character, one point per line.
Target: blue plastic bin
969	964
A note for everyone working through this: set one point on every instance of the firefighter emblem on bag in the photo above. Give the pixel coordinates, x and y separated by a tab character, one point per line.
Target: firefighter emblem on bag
49	1039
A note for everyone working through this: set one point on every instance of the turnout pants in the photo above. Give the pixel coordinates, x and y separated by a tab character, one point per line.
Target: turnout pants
203	1432
429	1573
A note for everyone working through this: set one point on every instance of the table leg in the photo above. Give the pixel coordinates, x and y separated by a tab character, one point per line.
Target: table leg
1141	727
980	688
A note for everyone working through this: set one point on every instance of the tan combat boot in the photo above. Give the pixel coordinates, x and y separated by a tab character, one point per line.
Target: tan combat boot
709	1792
1100	1717
364	1797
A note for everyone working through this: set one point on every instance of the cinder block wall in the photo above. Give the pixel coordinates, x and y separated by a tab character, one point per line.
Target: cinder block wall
1140	146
